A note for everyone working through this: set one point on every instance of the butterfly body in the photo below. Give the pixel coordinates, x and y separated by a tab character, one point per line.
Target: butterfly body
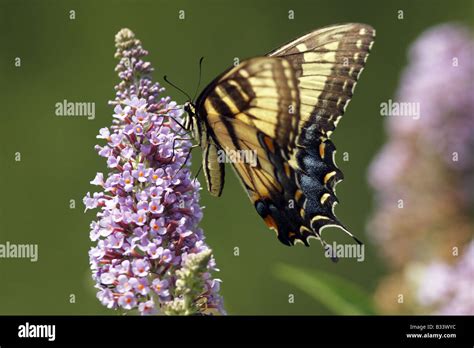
283	107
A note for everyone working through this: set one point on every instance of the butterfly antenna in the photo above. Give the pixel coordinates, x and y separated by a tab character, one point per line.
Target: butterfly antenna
179	89
199	78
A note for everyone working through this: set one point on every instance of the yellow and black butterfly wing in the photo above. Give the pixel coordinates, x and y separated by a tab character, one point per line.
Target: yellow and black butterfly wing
263	105
242	112
327	63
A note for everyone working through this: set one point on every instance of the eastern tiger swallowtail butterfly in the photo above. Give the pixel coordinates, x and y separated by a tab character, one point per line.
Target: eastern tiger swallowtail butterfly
283	107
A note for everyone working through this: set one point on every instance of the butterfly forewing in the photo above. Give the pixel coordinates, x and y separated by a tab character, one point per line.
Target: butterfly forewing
284	107
327	63
250	100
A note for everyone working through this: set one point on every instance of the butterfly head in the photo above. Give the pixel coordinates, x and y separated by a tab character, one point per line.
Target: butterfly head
190	110
192	122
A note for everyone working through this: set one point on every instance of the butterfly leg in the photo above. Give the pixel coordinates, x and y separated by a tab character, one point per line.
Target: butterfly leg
170	158
185	160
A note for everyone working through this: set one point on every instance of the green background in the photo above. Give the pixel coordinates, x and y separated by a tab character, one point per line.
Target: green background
73	60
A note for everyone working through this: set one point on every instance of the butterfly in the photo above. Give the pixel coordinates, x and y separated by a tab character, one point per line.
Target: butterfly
283	108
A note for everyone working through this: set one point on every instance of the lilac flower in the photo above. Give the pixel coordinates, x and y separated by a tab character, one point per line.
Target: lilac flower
423	176
127	300
127	181
165	255
156	207
449	288
106	297
427	162
142	205
124	267
143	234
135	102
107	278
92	202
140	285
123	283
114	241
140	116
116	139
141	173
98	180
121	113
156	226
140	218
103	151
161	287
140	267
113	161
440	77
147	307
152	250
127	153
104	133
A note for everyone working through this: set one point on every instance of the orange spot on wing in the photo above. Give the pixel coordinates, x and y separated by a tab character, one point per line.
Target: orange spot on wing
298	195
269	142
270	222
322	147
287	169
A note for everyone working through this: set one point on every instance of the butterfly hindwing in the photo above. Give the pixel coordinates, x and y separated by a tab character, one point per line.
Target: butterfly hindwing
283	108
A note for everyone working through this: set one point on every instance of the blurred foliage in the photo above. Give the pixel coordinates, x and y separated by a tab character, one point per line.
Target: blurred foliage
335	293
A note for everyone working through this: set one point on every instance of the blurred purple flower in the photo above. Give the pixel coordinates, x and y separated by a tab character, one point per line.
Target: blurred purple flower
440	77
433	152
423	177
149	210
449	288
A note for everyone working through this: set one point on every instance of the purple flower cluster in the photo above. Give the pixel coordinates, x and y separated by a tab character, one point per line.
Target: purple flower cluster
423	176
449	288
439	77
147	225
428	158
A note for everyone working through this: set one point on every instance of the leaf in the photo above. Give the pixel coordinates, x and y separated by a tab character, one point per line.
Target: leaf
337	294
